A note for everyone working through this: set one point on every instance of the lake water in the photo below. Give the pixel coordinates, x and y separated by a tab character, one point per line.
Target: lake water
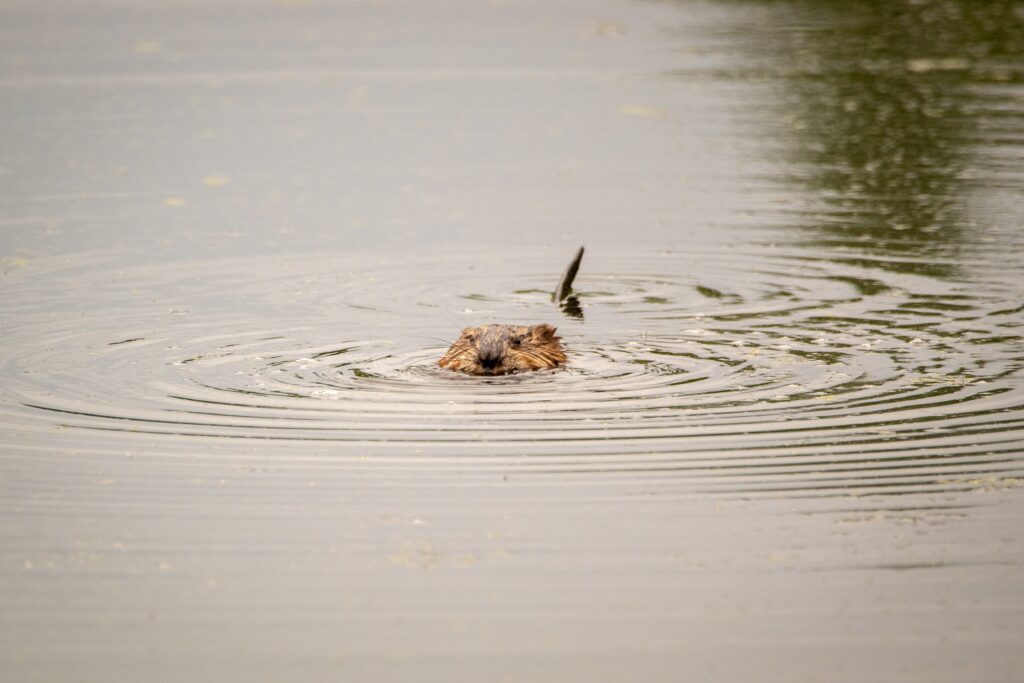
236	237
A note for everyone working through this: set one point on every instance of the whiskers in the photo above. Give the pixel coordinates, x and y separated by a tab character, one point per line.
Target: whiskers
539	358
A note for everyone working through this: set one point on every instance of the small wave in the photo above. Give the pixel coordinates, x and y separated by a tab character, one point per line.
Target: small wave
794	380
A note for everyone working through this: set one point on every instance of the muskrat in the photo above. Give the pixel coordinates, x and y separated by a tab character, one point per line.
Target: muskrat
504	349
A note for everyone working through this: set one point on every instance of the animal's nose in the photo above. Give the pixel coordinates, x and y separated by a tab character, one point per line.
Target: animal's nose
489	357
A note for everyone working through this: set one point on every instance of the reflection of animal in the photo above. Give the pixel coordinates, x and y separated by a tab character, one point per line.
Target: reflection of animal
504	349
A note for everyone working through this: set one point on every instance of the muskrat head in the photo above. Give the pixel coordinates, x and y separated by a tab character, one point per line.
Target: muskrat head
504	349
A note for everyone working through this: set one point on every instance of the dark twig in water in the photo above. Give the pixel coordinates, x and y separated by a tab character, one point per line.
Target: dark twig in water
565	284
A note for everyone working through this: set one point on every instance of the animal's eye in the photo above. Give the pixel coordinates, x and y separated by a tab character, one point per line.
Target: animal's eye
516	341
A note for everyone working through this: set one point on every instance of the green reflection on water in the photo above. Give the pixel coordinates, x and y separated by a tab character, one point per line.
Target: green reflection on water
885	113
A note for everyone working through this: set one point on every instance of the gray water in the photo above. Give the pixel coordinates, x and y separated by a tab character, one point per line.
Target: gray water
236	237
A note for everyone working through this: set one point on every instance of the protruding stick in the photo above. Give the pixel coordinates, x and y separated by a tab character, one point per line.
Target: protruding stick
565	284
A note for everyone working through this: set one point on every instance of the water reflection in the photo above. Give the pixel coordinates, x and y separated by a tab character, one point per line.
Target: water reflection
881	126
882	108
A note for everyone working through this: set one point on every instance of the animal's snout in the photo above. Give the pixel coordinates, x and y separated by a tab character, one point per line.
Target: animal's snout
490	356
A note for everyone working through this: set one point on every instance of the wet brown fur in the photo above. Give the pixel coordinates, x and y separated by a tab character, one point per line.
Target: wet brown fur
504	349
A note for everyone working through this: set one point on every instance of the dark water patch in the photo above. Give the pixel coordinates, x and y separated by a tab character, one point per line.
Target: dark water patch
126	341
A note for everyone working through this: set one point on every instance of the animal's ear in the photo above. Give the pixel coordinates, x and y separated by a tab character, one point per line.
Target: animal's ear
543	332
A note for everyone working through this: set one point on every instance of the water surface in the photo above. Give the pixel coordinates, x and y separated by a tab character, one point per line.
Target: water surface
787	445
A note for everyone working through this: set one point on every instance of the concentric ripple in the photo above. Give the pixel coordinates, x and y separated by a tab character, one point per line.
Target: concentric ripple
739	373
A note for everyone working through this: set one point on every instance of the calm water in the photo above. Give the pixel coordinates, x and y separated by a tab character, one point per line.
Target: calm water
789	444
